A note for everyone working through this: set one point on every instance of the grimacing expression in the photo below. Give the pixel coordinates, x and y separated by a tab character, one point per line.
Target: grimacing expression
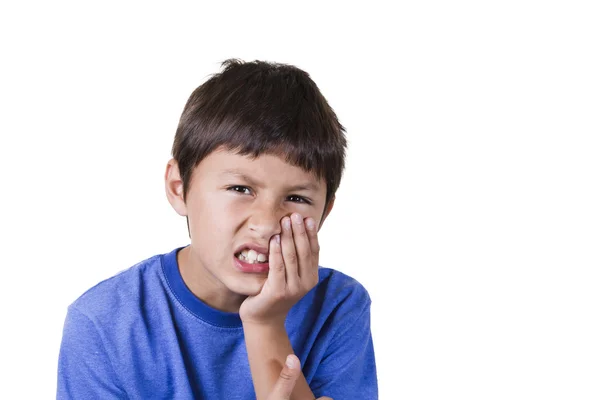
233	200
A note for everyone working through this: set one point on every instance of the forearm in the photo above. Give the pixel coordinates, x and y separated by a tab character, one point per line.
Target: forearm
268	347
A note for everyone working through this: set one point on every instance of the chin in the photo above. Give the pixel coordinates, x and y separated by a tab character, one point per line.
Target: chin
248	287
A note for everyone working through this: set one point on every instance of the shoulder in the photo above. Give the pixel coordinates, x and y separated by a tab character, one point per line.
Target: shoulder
335	285
121	292
331	329
334	305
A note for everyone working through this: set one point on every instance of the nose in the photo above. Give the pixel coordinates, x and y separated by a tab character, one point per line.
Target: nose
264	219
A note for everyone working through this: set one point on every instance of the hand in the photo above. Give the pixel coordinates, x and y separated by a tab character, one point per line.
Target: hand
287	379
293	272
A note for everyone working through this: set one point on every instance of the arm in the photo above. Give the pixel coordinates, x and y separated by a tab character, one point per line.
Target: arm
84	370
268	347
347	367
293	272
287	379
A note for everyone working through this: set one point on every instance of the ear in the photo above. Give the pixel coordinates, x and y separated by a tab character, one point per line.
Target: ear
174	188
327	211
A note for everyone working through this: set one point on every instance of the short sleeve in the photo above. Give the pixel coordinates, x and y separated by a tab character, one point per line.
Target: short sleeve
347	370
84	369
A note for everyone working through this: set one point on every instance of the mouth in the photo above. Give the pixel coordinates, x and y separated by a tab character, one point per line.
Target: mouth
244	265
251	256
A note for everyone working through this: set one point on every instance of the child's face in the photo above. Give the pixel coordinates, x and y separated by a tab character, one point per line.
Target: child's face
234	200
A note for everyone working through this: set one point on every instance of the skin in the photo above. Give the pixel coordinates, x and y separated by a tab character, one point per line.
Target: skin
287	379
254	205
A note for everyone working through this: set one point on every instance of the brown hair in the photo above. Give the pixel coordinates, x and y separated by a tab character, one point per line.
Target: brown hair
262	107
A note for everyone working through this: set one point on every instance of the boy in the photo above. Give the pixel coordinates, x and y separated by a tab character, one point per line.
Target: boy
257	158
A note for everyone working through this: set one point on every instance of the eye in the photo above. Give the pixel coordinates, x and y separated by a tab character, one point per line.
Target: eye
299	199
240	189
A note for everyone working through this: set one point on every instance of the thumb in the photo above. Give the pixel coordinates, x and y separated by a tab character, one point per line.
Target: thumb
287	379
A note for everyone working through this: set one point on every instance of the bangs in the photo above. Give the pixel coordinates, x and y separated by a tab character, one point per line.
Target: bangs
261	108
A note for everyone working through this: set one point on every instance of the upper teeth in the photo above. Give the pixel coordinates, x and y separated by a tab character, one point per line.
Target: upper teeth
252	256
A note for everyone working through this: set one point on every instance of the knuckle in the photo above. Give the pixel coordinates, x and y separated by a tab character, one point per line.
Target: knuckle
279	295
286	376
304	254
316	247
309	283
292	257
294	288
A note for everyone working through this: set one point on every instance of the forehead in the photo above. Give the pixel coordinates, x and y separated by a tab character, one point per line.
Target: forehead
265	169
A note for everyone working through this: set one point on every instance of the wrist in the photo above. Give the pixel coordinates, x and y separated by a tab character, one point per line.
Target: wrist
264	323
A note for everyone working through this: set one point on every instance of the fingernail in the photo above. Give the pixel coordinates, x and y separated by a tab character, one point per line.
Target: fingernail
278	239
290	362
297	218
286	223
310	223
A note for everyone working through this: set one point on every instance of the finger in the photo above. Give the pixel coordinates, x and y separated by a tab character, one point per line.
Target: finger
276	276
287	379
290	258
302	246
312	233
312	277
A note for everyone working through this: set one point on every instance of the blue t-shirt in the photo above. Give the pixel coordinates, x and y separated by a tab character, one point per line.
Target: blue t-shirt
142	334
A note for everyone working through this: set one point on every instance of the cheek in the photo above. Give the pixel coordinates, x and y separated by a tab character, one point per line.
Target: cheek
219	219
314	213
208	219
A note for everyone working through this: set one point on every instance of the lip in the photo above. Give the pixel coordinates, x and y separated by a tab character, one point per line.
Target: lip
252	246
250	268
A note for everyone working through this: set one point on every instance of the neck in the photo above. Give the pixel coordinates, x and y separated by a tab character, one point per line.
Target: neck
205	285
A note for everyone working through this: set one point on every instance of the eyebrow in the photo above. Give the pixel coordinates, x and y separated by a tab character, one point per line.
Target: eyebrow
242	175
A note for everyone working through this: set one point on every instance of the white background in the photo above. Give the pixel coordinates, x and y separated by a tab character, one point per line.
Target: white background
469	208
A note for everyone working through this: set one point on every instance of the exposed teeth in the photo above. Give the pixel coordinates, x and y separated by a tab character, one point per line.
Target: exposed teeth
252	256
